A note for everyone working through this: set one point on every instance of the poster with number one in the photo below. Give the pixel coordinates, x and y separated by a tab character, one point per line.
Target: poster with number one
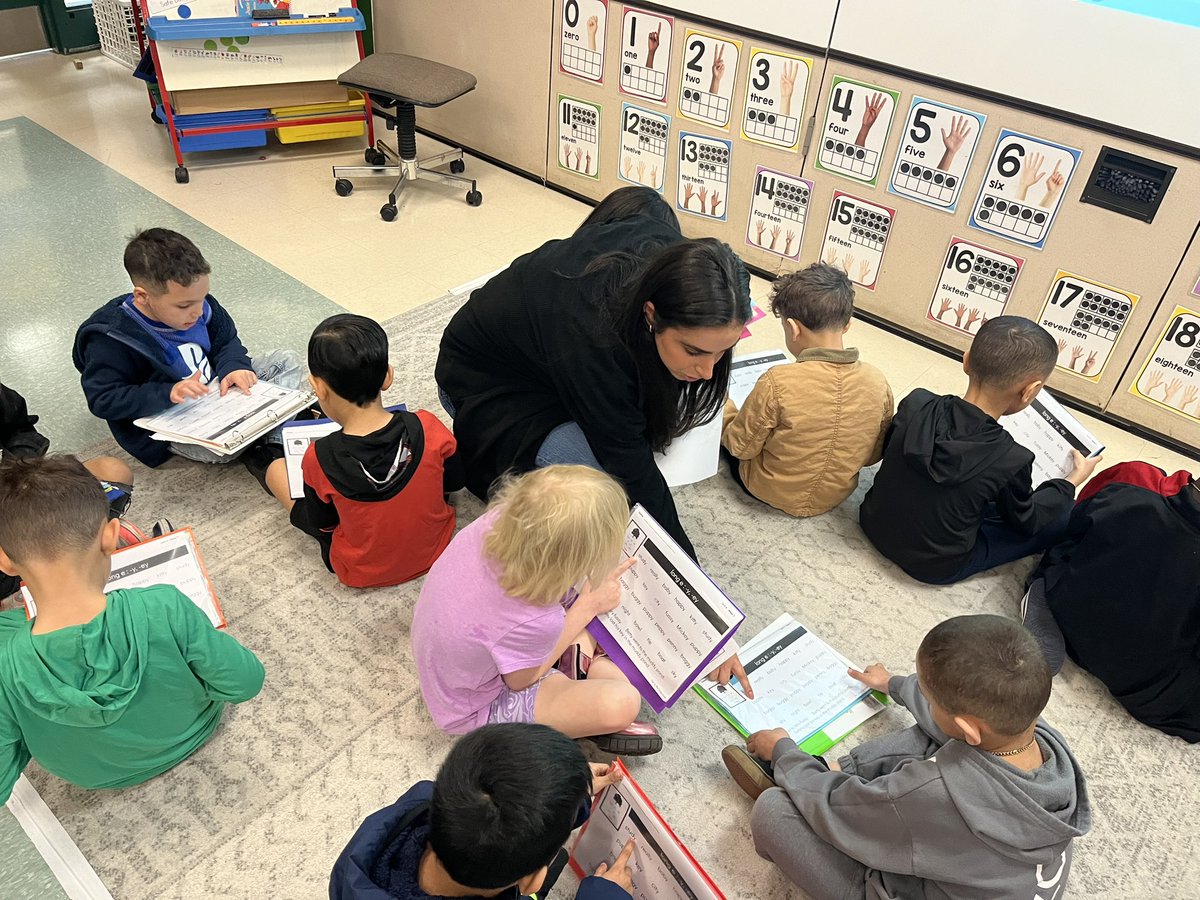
710	66
645	53
644	146
778	211
856	237
703	175
775	94
935	151
1086	318
856	127
1170	377
1023	188
974	285
578	136
583	29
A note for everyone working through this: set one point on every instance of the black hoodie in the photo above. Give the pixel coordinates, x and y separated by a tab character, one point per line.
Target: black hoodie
944	461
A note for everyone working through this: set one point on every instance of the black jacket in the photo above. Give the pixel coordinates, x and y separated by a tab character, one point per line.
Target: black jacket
944	461
1124	587
18	437
534	348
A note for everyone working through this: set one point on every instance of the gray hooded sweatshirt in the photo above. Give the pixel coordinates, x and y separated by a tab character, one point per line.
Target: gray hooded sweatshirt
937	819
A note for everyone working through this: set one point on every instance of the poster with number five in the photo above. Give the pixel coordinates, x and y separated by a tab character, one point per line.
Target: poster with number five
778	211
974	285
1023	188
1170	377
583	29
855	129
935	152
645	53
710	66
644	146
775	98
578	136
1086	318
856	236
703	175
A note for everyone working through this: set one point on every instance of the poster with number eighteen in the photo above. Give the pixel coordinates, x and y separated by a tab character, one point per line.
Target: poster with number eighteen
974	285
583	29
703	186
1086	318
1170	376
644	146
778	211
645	53
856	236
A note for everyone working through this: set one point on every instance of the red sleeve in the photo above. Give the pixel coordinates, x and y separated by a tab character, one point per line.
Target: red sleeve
437	436
314	476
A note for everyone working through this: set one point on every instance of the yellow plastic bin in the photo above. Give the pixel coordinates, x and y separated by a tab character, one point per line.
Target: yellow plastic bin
330	131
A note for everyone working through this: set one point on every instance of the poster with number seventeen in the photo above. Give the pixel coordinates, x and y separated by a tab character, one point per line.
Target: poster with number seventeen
975	285
856	236
936	147
578	136
856	125
1170	377
645	53
703	175
778	211
643	157
775	95
1086	318
583	30
710	65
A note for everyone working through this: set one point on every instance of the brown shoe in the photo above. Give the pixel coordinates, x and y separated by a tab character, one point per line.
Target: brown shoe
752	774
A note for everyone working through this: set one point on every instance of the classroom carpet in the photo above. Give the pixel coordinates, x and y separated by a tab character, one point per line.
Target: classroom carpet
340	729
66	220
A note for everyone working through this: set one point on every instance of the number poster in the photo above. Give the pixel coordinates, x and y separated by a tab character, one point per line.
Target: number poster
775	98
1023	188
703	175
583	29
709	72
1170	377
935	152
645	53
1086	318
579	136
856	127
778	210
856	237
974	285
644	146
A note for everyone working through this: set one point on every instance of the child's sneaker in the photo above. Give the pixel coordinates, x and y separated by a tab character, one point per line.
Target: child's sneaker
639	739
753	775
258	459
130	534
161	527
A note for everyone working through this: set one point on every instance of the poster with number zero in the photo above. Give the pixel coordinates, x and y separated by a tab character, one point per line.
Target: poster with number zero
643	158
778	211
583	26
856	236
775	91
1170	376
645	53
706	82
578	136
1023	188
1087	318
855	129
974	285
703	185
936	147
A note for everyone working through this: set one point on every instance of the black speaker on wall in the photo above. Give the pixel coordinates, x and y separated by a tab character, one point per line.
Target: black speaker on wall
1127	184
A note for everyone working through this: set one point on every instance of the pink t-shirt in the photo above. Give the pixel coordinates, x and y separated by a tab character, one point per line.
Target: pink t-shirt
467	632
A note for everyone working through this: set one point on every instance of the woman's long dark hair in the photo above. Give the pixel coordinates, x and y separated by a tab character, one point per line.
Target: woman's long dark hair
692	284
629	201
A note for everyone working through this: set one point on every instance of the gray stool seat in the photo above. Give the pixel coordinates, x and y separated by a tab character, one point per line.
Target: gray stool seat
409	79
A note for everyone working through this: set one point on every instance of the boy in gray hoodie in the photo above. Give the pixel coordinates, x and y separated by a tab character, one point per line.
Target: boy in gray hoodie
979	799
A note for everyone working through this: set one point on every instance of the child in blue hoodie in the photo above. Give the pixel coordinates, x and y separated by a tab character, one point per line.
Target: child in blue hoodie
166	342
492	825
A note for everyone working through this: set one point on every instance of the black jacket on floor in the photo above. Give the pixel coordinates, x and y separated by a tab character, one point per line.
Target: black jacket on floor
534	348
944	462
1124	588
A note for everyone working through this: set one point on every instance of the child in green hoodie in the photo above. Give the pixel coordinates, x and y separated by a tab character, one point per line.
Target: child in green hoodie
104	691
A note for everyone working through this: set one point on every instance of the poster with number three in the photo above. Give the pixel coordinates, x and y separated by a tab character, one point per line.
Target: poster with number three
583	27
1170	376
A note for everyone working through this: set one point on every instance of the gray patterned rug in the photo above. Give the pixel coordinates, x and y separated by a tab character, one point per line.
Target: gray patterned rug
340	729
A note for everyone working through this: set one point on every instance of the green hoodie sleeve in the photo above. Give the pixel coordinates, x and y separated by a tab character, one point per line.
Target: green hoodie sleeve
227	670
14	756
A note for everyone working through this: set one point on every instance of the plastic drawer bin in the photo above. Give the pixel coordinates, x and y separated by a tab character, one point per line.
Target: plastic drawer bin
230	140
331	131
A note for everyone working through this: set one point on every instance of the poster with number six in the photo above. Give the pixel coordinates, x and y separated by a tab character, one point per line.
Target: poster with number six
583	29
1170	377
578	136
643	157
645	53
710	65
703	175
1086	318
857	121
974	285
775	98
935	151
778	211
856	236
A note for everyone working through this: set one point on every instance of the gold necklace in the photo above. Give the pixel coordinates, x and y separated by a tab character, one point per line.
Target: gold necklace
1016	752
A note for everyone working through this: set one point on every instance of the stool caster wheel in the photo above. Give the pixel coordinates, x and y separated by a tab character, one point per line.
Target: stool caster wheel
474	198
181	175
343	186
374	157
388	212
457	166
155	119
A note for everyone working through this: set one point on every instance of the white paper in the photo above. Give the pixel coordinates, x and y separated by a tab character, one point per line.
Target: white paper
171	559
223	424
747	369
692	457
800	683
296	438
1046	428
659	865
672	616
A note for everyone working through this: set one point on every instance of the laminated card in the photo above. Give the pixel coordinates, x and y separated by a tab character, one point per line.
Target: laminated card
225	424
1046	428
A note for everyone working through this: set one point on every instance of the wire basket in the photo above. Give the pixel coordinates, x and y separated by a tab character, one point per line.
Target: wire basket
118	34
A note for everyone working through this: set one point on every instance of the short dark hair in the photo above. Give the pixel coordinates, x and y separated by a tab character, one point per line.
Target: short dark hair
634	200
821	297
986	666
48	507
1009	349
505	801
350	354
158	255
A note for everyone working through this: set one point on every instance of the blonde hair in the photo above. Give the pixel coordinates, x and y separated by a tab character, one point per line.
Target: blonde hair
555	526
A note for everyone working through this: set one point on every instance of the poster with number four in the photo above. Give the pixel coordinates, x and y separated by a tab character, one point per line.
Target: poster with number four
578	136
775	98
1086	318
856	236
1170	377
644	146
709	72
935	152
856	127
703	187
645	53
583	29
1023	188
975	285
